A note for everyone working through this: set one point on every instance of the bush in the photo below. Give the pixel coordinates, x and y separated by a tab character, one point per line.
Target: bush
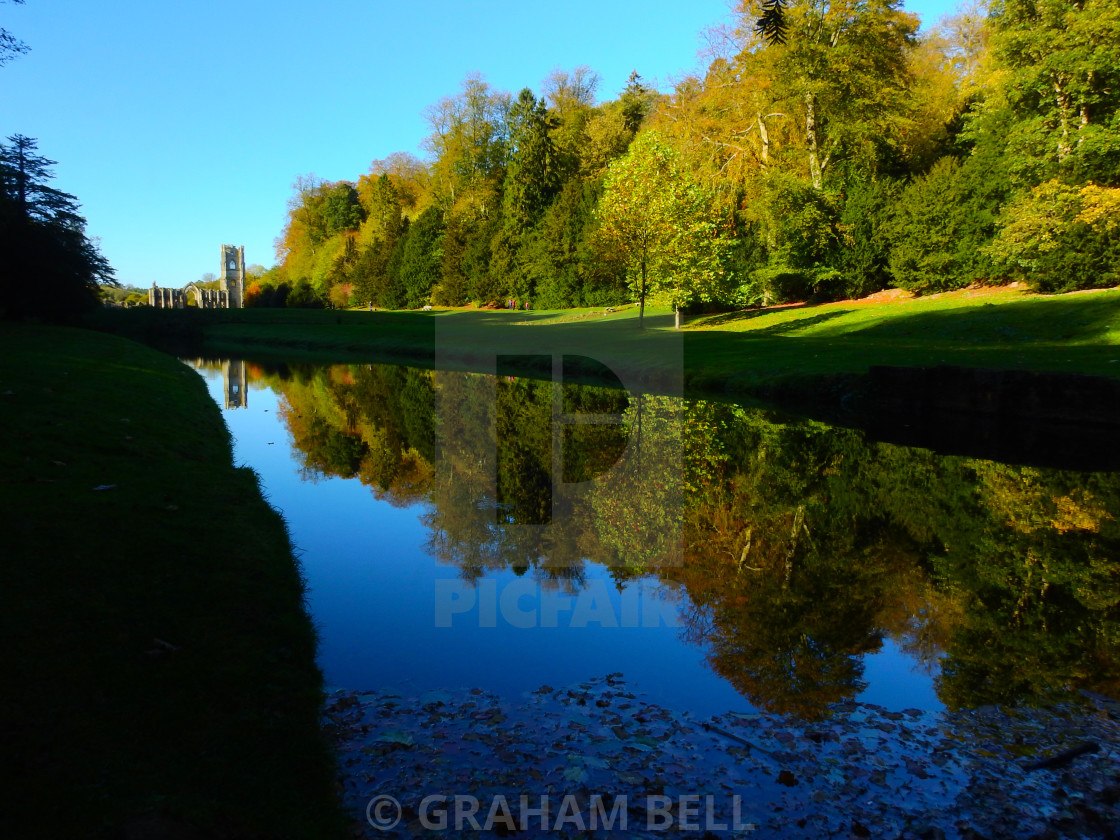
941	223
303	296
781	285
864	258
1059	238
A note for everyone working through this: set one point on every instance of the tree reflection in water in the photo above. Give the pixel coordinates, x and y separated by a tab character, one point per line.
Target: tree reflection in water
798	547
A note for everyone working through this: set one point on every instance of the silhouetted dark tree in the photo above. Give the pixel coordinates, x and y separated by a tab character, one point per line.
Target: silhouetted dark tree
48	266
10	45
772	25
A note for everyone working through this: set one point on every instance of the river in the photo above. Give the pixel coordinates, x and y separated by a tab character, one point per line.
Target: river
502	532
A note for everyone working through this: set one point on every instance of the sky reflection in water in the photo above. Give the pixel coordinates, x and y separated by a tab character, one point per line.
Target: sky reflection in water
389	615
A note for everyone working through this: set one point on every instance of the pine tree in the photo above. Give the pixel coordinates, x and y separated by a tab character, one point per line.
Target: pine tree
50	267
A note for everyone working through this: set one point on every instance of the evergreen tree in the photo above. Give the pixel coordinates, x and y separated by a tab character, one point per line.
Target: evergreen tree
863	261
636	102
454	285
422	257
377	239
532	177
51	268
942	221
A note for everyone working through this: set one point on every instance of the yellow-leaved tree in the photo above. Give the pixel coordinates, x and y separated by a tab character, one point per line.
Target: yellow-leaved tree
666	225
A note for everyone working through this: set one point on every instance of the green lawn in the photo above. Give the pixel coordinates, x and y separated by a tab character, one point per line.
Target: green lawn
159	665
738	351
1001	328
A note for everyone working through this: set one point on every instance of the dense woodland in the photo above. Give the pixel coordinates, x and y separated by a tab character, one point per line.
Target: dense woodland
858	154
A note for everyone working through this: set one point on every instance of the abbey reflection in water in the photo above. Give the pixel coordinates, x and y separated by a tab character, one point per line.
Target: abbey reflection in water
798	546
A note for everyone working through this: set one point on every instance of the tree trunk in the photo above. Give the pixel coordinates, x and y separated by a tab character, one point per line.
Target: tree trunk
764	136
811	141
642	297
1084	111
679	322
1065	106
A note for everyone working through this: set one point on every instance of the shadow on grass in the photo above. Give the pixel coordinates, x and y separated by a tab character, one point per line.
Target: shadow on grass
739	315
492	317
796	324
1074	319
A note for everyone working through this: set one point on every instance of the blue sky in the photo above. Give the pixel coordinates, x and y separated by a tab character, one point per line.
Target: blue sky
181	126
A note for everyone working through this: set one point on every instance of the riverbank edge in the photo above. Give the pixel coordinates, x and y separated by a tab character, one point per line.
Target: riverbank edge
785	358
160	665
994	406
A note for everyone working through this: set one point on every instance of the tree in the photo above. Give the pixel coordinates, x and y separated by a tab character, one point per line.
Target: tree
571	107
468	140
532	179
10	45
636	101
1059	238
341	208
965	38
665	225
376	242
1062	84
800	233
842	79
567	265
52	267
422	257
410	177
772	25
942	221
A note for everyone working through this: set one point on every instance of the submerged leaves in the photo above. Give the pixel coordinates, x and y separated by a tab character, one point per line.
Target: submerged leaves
904	773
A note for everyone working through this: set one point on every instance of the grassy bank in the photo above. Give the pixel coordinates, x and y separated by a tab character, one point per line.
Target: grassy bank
743	351
158	663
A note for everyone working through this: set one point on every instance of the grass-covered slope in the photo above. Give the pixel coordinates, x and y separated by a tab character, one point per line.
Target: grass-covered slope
990	328
158	662
738	351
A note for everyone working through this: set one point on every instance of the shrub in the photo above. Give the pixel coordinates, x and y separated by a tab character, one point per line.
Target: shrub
1059	238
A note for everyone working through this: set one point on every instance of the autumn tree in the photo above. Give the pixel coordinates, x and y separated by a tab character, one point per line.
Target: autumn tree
571	106
410	177
1059	237
469	145
664	223
844	76
468	142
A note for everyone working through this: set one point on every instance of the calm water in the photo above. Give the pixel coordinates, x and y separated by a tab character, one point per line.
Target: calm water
465	530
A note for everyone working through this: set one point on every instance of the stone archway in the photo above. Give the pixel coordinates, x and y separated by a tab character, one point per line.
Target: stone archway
207	298
196	292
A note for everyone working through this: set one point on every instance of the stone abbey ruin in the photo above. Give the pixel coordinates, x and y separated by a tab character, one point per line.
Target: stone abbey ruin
230	293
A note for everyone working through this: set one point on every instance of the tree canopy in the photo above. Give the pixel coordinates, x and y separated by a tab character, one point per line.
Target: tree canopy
831	148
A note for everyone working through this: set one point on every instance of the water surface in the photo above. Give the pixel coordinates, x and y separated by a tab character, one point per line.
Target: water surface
503	532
